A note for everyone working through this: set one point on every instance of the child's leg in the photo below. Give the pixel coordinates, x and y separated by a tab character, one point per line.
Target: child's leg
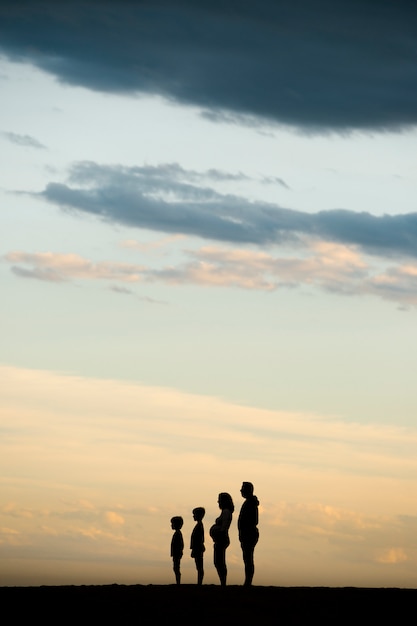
200	569
177	571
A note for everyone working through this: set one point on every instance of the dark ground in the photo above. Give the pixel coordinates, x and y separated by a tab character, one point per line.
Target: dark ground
209	604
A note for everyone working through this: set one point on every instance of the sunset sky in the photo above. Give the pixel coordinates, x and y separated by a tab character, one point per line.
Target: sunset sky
208	261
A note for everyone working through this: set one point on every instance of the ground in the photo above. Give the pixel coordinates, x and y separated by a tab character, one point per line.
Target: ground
209	604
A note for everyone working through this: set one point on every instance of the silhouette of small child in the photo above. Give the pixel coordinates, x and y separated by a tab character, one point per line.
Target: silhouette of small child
197	543
177	546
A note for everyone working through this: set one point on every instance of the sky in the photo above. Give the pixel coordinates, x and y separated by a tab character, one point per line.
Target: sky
208	260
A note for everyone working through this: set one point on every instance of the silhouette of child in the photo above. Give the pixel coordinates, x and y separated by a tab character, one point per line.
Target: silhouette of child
197	543
177	546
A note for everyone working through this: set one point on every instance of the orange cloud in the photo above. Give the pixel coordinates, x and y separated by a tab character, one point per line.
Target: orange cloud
391	556
328	266
114	518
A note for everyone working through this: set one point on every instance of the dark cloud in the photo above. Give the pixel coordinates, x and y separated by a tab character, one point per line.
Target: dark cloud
327	64
22	140
121	290
48	275
166	199
274	180
129	292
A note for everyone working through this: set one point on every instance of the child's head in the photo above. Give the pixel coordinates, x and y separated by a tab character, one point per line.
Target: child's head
176	522
199	513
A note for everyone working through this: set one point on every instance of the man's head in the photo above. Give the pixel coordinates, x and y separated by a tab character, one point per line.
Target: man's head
246	490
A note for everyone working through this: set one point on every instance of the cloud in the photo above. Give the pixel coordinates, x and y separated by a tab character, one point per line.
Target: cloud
391	556
150	246
22	140
117	420
321	265
128	292
10	537
317	519
168	199
396	283
48	274
12	509
353	536
115	519
8	531
49	266
122	290
311	65
329	266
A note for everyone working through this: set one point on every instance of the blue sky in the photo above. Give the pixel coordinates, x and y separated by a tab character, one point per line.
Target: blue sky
209	276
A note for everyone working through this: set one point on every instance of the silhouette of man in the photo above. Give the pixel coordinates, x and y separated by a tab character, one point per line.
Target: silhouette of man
177	546
248	532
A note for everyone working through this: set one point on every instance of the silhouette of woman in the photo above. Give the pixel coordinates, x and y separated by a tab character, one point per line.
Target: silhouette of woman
219	532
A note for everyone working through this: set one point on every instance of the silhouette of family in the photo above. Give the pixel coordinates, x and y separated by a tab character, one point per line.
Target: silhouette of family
247	525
